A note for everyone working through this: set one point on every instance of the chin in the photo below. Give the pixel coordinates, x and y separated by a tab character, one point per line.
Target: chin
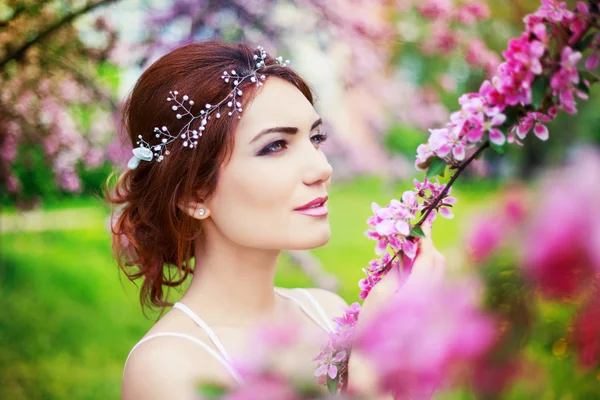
312	240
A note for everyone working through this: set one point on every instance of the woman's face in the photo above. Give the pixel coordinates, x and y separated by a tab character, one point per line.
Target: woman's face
277	166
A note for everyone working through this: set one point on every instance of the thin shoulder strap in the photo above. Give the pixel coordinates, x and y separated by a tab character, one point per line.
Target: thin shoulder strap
317	306
306	310
209	349
211	334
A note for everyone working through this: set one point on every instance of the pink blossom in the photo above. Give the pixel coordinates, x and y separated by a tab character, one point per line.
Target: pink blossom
422	334
563	81
333	358
329	364
555	11
446	140
592	62
535	120
424	153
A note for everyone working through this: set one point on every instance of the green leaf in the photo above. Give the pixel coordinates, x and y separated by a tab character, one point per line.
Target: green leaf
585	43
498	149
512	117
437	167
212	391
591	78
582	86
538	89
332	384
417	231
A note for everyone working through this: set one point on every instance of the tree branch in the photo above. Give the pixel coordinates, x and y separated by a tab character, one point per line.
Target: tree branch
459	171
18	53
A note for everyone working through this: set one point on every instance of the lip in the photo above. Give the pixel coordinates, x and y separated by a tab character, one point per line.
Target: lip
309	209
311	203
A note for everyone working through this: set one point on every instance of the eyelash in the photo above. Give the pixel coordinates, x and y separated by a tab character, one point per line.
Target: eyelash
322	137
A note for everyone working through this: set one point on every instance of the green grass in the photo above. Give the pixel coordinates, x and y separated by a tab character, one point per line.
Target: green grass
69	317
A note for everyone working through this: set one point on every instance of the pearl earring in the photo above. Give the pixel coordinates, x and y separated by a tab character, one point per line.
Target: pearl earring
201	212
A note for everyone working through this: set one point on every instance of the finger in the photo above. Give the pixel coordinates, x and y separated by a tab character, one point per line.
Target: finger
427	228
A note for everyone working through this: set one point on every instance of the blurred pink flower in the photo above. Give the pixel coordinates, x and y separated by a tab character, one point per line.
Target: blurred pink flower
587	333
563	237
423	334
486	237
435	9
471	11
263	386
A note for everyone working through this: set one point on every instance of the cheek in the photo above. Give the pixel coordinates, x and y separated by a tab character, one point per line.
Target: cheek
250	198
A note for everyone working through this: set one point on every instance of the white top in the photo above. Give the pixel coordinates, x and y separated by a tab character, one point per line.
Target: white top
221	354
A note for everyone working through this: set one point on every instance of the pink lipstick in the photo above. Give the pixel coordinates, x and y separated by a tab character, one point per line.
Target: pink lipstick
314	208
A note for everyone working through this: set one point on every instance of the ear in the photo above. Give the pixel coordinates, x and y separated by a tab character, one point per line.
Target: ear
194	209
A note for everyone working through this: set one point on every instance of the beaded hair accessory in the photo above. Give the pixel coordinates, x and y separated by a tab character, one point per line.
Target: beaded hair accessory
183	108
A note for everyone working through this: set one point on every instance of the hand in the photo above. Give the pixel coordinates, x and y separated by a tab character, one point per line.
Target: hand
428	268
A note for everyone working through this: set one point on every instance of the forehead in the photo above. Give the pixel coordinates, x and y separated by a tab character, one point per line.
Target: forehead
276	103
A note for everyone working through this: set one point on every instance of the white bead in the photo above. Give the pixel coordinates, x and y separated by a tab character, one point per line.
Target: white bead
191	102
164	140
208	106
164	128
183	135
178	116
185	144
218	115
176	92
174	108
185	97
229	104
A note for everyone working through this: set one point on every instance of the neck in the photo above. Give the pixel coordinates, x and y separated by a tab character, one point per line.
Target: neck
232	284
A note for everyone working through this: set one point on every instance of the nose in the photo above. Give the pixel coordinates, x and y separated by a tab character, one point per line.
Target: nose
317	169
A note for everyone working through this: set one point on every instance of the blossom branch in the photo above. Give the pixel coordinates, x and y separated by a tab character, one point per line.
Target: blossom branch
459	171
18	53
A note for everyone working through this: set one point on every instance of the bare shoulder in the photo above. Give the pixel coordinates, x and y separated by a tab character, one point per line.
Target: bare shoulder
330	301
170	367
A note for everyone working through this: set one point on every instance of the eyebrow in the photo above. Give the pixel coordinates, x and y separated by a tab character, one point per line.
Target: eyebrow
290	130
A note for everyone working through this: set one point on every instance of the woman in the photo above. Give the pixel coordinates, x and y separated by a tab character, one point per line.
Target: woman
228	170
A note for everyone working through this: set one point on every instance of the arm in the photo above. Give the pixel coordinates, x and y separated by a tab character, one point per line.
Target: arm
170	368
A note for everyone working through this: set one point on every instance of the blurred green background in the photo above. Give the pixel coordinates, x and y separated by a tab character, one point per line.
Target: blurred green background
68	317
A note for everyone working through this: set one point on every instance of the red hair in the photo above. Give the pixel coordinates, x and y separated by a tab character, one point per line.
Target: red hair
151	235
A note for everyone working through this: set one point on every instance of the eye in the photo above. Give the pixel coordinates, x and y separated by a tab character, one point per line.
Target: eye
275	147
319	138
